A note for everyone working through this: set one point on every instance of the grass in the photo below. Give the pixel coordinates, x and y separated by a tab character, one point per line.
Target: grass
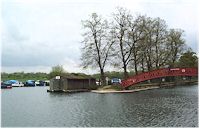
110	87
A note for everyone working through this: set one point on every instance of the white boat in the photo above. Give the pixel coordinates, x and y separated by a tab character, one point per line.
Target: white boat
17	84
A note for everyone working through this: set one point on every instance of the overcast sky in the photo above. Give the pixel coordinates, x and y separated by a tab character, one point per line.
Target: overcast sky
39	34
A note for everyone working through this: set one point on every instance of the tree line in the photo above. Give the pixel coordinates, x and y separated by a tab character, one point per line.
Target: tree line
57	70
187	59
130	42
21	76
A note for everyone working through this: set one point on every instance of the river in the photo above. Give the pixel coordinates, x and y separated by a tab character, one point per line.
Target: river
35	107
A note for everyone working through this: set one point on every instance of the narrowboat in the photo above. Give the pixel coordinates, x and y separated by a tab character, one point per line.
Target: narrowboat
40	83
6	85
16	83
30	83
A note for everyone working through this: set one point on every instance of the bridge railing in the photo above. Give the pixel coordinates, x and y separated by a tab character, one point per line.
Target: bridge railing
164	72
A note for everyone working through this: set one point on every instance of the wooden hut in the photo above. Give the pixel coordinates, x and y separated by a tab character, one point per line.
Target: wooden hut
72	84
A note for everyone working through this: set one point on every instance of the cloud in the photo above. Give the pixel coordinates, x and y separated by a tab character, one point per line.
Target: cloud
36	38
38	34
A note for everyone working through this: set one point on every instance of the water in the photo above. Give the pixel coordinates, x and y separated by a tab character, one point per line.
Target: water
34	107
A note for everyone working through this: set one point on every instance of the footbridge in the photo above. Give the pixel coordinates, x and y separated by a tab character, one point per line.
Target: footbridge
159	73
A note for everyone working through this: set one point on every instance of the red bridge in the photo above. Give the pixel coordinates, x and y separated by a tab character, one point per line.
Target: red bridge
158	74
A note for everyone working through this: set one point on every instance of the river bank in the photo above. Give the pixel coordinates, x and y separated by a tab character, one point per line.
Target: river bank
140	87
123	91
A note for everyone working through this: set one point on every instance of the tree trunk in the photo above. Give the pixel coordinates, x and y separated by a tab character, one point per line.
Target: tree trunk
135	61
103	80
135	65
157	58
142	63
125	72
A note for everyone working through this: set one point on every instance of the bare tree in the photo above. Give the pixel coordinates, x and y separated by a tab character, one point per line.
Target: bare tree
147	43
139	43
136	36
124	46
96	44
176	45
154	51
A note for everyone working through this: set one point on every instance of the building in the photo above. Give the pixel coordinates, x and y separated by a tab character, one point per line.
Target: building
69	84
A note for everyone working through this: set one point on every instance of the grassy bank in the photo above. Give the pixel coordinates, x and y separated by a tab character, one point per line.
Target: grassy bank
110	87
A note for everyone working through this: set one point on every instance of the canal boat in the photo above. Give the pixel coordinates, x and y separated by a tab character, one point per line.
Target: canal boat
40	83
47	82
30	83
16	83
20	84
6	85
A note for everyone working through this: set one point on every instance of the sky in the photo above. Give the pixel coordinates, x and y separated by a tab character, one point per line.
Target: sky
39	34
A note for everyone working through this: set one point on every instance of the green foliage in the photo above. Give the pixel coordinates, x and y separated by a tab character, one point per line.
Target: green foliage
57	71
110	74
113	74
21	76
188	59
111	87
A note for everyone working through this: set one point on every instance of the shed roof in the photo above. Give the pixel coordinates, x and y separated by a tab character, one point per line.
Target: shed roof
77	76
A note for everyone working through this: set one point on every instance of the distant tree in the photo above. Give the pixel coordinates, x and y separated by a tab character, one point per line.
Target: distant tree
110	75
97	44
188	59
57	71
176	45
21	76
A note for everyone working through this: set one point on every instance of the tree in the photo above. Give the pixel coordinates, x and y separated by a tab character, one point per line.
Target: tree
160	53
124	47
176	45
57	71
159	46
188	59
147	43
140	43
148	38
97	44
136	36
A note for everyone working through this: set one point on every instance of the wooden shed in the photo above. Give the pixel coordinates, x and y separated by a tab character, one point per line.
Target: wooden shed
67	84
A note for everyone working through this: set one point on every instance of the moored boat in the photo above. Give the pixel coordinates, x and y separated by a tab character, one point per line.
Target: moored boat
40	83
30	83
16	83
6	85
